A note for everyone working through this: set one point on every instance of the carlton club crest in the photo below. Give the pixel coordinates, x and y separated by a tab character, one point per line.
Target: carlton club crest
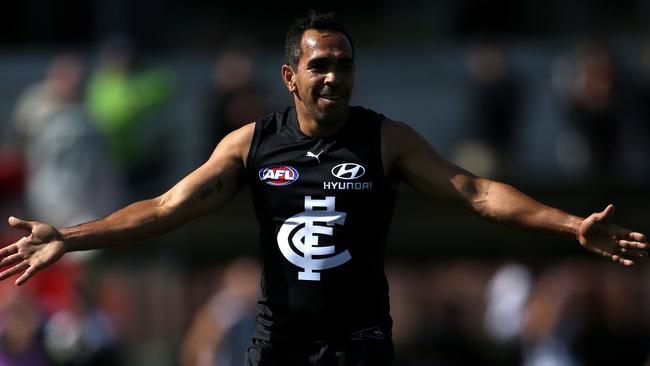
301	230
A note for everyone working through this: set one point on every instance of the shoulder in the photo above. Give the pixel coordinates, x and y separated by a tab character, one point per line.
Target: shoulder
275	121
398	134
389	128
365	114
392	136
241	139
399	141
244	133
237	143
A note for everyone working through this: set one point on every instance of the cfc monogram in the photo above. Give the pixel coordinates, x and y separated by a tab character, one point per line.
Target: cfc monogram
301	230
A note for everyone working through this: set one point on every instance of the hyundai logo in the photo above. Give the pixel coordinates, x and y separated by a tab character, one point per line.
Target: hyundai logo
348	171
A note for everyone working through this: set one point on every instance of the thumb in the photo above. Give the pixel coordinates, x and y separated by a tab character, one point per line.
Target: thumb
607	213
20	224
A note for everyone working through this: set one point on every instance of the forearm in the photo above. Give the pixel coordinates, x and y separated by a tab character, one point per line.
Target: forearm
506	205
140	220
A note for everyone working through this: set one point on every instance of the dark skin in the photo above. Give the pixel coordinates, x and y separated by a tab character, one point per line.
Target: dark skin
321	85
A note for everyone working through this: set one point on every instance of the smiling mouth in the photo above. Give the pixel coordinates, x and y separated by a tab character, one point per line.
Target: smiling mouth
331	97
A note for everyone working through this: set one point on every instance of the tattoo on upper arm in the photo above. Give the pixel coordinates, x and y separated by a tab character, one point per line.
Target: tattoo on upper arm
216	187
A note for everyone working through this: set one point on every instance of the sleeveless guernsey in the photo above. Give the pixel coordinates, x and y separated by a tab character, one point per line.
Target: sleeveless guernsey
324	209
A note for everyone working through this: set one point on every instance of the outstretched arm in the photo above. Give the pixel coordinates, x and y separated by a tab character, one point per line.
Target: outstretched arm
414	161
209	187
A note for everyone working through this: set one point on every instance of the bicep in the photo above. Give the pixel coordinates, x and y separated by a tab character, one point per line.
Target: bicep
214	183
419	165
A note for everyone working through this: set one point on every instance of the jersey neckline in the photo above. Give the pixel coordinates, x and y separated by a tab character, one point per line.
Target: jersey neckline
294	125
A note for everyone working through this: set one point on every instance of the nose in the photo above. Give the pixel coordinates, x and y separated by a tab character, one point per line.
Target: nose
331	77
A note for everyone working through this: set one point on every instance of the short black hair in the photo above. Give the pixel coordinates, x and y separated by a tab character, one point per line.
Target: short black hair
314	20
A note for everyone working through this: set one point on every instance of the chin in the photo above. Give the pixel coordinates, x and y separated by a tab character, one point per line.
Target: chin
333	113
339	106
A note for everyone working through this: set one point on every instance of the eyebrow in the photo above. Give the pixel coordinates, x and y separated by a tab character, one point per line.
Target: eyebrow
326	59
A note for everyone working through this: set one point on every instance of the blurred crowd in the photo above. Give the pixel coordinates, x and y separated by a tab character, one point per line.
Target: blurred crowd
568	313
83	141
603	101
80	144
463	312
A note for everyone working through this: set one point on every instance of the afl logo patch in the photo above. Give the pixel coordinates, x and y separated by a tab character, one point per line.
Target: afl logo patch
348	171
278	175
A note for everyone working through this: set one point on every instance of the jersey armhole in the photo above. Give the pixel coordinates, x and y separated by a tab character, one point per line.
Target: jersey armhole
252	150
382	119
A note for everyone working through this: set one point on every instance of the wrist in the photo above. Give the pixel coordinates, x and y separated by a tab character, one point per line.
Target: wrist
574	225
68	237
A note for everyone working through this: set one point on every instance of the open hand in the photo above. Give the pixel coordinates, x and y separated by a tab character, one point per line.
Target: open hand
619	244
42	246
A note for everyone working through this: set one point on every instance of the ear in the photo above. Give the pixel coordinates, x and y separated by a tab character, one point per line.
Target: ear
288	77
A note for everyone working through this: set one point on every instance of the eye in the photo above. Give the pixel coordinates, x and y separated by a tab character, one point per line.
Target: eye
317	67
346	67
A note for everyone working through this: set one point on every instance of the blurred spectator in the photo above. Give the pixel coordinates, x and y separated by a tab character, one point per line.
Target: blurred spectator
122	100
448	330
19	321
12	173
47	323
475	313
553	316
613	330
586	314
12	184
507	294
408	308
234	98
45	98
643	106
21	341
496	99
644	93
65	156
589	85
221	330
84	338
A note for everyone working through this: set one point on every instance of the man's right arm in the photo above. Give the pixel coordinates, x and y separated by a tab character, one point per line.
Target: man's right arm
209	187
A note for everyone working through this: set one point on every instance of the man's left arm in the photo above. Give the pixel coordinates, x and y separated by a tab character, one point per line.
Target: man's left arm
408	157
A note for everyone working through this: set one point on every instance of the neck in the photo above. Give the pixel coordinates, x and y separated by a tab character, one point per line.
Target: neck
314	127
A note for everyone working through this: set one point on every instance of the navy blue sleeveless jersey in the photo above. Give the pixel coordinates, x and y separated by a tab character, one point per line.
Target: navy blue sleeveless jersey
324	208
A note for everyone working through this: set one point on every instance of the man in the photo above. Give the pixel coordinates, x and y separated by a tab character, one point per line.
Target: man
323	177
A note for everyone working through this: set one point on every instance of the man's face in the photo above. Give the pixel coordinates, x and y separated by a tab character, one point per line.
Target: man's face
324	77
